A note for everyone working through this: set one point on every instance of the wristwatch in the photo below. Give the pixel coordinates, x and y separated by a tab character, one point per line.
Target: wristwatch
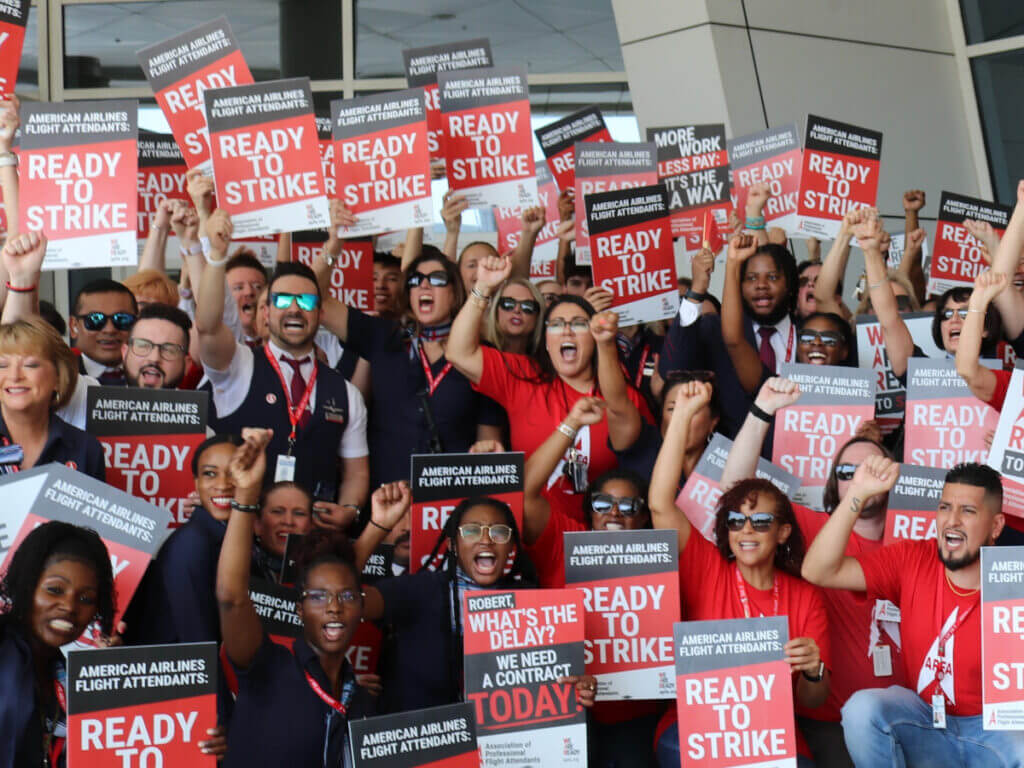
821	673
329	258
694	296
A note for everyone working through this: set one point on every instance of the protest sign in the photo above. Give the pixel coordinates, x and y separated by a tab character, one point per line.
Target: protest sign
912	504
379	564
771	157
630	586
79	179
604	167
839	173
1007	453
266	157
945	424
13	19
631	252
694	166
1002	638
422	66
325	142
558	139
735	693
352	273
381	159
441	480
439	737
161	177
146	705
517	644
699	497
834	402
148	436
897	245
181	69
545	248
958	257
488	145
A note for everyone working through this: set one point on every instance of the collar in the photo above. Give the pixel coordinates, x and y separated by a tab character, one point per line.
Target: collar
208	524
782	327
310	662
54	433
92	367
278	353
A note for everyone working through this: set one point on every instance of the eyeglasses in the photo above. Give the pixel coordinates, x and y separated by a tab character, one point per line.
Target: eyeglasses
97	321
473	532
759	521
307	301
322	597
604	503
168	351
576	325
845	471
947	314
828	338
529	306
438	279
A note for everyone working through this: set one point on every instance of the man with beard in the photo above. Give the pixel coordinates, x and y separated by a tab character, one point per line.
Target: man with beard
937	722
316	416
154	357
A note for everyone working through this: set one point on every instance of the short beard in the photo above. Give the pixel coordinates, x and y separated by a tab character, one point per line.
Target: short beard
772	318
968	559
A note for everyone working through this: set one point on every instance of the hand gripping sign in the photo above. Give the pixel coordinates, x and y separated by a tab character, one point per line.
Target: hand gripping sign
957	257
161	177
13	19
180	69
770	157
558	139
545	248
1002	638
79	178
439	737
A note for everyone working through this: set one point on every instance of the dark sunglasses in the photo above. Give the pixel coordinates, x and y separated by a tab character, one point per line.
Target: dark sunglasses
438	279
947	314
828	338
845	471
628	506
759	521
473	532
97	321
529	306
307	301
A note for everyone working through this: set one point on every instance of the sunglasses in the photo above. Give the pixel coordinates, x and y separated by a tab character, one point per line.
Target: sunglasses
604	503
168	351
577	325
827	338
759	521
528	306
947	314
97	321
307	301
473	532
323	597
438	279
845	471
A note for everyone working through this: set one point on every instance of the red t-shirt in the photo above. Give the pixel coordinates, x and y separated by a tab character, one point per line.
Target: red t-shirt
548	552
850	615
910	574
536	410
1002	387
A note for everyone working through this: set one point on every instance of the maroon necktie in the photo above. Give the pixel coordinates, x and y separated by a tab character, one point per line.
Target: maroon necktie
766	352
298	387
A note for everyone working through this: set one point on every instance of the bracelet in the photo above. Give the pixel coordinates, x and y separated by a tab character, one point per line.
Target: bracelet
185	293
330	259
204	244
475	300
249	509
979	311
755	222
877	285
764	416
374	522
483	297
694	296
568	431
8	159
821	673
193	250
15	289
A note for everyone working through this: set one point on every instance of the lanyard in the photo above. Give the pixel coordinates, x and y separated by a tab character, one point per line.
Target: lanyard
741	587
643	363
332	702
57	743
789	342
943	639
432	383
294	414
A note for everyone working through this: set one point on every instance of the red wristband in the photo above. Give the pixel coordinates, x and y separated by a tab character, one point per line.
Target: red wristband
30	289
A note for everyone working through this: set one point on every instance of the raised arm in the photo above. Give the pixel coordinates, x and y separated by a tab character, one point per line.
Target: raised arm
463	350
532	221
451	215
9	122
981	380
388	505
899	344
23	262
744	357
566	232
334	316
834	267
1007	259
776	393
154	252
216	341
757	198
200	189
624	420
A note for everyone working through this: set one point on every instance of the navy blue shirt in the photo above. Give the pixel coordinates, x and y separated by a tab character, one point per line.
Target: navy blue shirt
68	445
21	732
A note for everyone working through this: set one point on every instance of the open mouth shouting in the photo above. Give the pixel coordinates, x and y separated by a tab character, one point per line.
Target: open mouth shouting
151	376
954	540
569	351
485	561
333	631
816	357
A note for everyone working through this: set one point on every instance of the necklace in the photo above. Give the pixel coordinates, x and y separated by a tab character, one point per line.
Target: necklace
968	593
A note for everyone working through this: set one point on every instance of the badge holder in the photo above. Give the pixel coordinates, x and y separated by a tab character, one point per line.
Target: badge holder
938	710
576	471
284	472
882	658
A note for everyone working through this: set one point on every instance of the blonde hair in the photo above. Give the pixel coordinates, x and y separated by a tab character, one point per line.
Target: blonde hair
865	308
34	336
155	283
492	333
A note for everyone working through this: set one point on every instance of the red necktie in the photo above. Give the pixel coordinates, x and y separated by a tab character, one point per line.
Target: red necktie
298	387
766	352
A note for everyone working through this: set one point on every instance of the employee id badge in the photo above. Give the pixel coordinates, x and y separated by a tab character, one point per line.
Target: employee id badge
284	472
938	710
882	658
576	471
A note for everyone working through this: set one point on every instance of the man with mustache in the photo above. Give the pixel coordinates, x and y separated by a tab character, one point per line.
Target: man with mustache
154	356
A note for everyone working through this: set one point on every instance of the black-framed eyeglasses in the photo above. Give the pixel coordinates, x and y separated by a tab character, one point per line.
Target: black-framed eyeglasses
528	306
323	597
827	338
605	503
947	314
473	532
845	471
97	321
307	301
438	279
168	350
559	324
759	521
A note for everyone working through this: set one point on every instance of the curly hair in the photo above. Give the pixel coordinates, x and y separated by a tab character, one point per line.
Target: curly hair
788	556
324	546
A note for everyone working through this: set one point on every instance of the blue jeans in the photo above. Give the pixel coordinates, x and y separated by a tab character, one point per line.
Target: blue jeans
893	726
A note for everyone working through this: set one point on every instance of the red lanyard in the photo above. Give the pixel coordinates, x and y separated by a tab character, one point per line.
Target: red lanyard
332	702
57	744
294	414
432	383
741	587
789	343
643	362
943	639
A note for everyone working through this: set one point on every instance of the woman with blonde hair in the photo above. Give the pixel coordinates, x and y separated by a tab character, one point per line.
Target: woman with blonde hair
38	376
150	286
513	321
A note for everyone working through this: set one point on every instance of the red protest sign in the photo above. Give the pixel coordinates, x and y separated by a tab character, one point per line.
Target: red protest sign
13	18
734	693
380	154
694	165
631	252
78	181
488	142
266	158
352	274
834	402
710	233
180	70
839	173
912	504
153	703
161	176
770	157
604	167
1002	638
630	586
1007	452
558	139
326	145
545	248
517	644
957	257
422	66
